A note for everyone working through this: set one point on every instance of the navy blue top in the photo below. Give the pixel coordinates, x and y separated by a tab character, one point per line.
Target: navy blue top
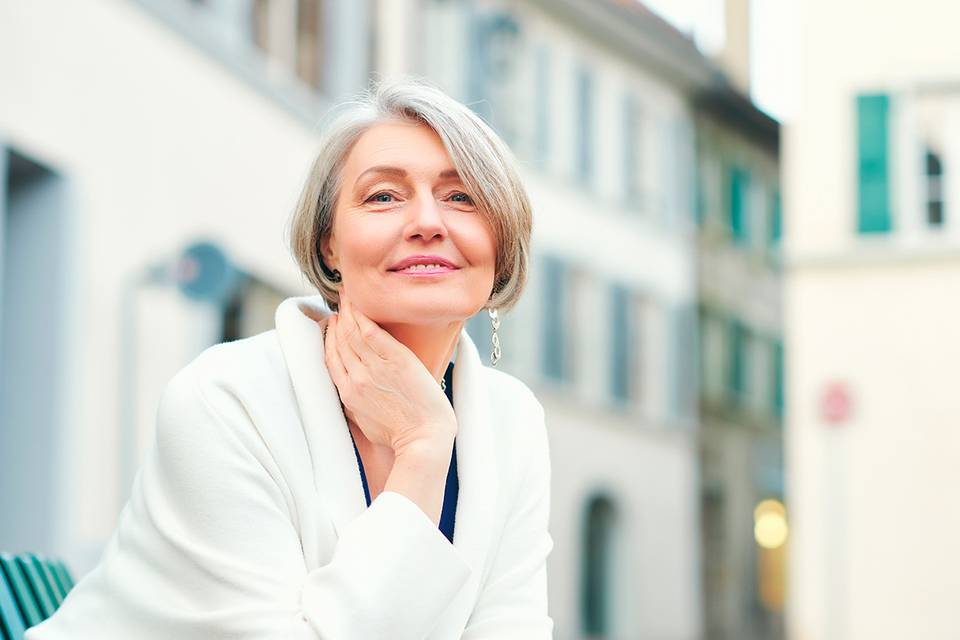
449	511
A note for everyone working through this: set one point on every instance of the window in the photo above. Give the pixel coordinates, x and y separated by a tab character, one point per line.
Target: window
631	150
700	195
596	588
624	336
584	126
775	218
260	16
873	170
555	360
934	178
738	361
778	378
739	183
308	61
496	40
683	360
713	348
541	100
292	36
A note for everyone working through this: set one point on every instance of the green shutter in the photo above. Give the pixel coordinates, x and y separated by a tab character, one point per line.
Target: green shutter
737	363
739	183
873	165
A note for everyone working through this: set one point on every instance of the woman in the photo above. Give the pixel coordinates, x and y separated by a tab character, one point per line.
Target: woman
315	480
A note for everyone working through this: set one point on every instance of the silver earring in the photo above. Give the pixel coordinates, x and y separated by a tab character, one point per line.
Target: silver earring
495	322
336	276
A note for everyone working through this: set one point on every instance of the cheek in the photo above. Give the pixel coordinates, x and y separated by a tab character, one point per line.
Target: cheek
478	245
364	247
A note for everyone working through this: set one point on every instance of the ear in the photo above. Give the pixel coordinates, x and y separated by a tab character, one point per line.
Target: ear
328	251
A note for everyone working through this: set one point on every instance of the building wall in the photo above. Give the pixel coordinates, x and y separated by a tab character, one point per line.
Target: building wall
873	312
161	144
740	331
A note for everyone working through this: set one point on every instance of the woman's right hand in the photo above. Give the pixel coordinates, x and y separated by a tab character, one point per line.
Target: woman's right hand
385	389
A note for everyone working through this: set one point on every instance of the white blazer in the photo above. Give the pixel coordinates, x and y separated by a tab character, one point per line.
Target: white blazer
248	519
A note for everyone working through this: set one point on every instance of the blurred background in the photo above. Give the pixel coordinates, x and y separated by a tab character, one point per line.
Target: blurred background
741	317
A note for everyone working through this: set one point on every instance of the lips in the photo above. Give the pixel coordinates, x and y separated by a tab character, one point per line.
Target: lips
424	263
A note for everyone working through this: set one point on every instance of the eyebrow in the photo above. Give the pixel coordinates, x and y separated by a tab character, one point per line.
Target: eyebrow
401	173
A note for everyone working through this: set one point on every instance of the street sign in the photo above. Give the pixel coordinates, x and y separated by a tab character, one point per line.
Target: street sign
836	403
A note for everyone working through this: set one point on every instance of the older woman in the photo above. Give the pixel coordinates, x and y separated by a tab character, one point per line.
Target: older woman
359	474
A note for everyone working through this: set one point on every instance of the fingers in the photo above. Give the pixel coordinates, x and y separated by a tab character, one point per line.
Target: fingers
363	333
372	339
332	358
348	357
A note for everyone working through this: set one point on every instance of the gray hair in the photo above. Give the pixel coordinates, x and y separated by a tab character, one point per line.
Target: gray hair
485	163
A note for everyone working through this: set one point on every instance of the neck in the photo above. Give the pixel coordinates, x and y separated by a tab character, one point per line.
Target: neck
432	344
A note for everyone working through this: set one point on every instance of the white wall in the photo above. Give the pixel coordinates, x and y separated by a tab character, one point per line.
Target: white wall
873	524
144	125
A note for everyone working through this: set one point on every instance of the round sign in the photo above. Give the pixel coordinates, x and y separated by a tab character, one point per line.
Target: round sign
836	403
203	272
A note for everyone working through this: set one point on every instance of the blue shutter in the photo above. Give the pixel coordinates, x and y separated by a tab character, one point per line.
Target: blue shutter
621	347
683	360
873	170
631	165
542	102
554	304
584	137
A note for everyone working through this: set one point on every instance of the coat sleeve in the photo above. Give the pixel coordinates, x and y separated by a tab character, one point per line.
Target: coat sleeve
208	547
513	601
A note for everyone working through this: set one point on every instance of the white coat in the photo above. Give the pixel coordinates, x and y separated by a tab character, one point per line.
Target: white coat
248	519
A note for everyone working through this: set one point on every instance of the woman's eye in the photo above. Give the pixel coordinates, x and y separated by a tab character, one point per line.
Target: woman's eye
377	195
468	200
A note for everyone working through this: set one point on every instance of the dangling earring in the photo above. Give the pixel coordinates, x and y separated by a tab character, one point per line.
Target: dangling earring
336	276
495	322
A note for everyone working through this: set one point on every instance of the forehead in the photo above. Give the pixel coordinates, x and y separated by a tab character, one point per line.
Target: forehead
410	145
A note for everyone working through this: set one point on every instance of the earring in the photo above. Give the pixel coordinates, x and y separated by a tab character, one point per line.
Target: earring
495	322
336	276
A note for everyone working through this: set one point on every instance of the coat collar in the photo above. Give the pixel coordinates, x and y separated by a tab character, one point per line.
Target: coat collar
299	321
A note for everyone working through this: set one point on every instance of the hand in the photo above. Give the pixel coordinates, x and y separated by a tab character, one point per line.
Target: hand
385	389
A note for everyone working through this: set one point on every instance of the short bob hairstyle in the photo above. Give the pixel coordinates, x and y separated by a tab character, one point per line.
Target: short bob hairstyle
485	164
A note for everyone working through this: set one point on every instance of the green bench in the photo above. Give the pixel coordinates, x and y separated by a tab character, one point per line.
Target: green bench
32	586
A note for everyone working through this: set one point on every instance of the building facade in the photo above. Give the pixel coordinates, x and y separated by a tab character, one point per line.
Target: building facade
153	125
741	364
873	269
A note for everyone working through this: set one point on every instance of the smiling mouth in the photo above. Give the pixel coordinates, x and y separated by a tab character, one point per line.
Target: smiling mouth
425	269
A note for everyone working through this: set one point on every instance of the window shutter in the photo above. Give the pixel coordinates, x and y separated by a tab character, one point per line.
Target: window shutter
554	304
739	183
873	169
621	347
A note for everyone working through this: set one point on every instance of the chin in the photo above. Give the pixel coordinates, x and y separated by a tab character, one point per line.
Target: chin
425	311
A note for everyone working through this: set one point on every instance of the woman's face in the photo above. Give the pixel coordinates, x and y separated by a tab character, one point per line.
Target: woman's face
400	197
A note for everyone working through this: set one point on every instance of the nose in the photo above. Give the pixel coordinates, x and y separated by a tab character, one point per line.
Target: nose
425	219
